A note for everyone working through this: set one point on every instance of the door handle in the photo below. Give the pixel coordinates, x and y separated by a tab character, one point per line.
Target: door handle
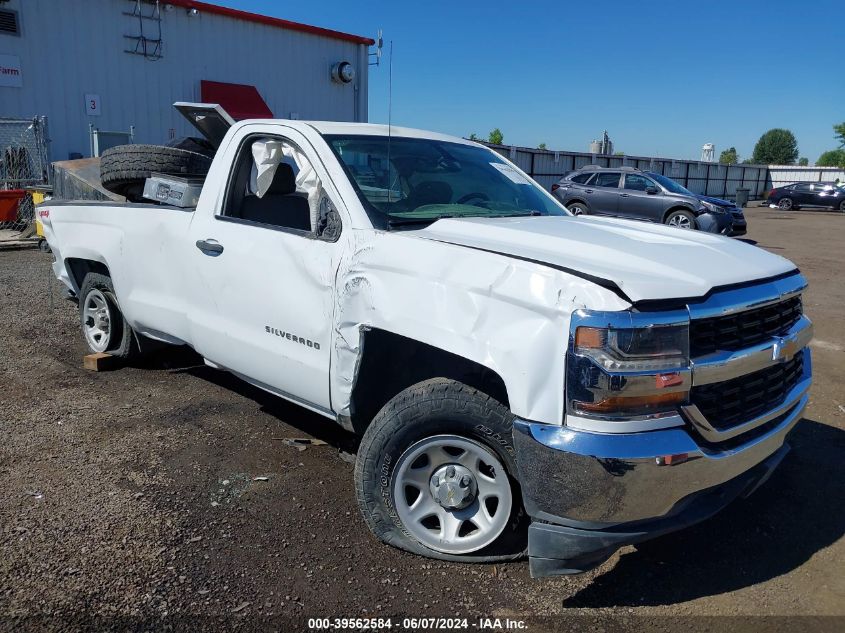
588	190
624	195
210	247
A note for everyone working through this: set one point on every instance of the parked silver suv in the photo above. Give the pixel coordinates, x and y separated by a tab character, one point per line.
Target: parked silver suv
645	195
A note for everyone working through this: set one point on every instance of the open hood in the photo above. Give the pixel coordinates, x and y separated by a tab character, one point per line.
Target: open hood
644	261
210	119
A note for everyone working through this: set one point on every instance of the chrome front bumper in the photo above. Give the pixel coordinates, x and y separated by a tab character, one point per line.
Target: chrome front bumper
589	494
596	484
599	480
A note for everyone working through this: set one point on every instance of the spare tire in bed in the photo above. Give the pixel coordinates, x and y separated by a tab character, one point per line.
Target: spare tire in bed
123	169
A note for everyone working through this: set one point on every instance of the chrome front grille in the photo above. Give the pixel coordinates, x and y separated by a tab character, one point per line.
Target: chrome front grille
743	329
726	404
750	362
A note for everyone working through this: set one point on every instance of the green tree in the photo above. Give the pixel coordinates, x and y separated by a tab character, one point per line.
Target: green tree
541	146
473	137
729	156
803	161
496	137
776	147
839	133
832	158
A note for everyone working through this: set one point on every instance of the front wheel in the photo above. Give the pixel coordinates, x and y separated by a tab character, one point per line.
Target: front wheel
681	219
436	476
842	206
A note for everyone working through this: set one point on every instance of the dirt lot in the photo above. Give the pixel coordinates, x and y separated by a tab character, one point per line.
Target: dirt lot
130	495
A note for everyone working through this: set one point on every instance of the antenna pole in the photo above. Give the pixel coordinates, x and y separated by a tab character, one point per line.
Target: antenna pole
389	116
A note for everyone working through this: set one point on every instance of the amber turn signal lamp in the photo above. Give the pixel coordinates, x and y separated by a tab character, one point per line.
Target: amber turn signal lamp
590	337
617	403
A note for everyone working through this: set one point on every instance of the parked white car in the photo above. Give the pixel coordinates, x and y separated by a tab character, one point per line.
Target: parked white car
524	380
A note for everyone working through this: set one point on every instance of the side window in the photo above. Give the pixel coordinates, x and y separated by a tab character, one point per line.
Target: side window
274	184
610	179
637	182
581	178
802	188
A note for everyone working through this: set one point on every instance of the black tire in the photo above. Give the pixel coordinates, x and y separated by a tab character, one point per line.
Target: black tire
786	204
842	206
123	342
680	213
434	407
123	169
578	208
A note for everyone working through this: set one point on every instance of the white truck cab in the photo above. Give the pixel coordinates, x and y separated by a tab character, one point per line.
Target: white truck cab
524	381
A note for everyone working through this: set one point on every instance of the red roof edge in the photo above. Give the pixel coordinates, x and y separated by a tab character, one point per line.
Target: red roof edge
266	19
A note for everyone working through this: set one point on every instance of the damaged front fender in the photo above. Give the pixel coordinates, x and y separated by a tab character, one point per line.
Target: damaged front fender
506	314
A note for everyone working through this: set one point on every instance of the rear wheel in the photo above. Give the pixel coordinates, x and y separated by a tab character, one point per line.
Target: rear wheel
785	204
842	206
435	475
681	219
578	208
103	324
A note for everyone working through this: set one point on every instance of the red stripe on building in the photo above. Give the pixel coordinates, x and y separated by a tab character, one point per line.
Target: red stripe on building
205	7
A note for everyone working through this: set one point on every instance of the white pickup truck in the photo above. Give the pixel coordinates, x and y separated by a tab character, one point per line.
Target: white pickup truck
524	381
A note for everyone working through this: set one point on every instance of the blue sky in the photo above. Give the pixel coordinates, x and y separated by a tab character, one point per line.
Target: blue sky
662	77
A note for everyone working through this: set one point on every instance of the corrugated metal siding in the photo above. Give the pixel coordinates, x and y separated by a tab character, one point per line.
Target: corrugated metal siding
713	179
70	48
787	174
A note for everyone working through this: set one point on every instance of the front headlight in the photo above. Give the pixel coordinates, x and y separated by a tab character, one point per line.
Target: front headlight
627	367
713	208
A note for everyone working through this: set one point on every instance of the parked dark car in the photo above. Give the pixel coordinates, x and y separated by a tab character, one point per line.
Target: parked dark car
645	195
808	194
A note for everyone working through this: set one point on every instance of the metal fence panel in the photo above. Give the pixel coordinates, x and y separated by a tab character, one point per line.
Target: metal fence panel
24	162
780	175
713	179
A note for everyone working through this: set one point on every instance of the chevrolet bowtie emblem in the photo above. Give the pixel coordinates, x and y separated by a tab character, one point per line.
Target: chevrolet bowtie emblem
784	349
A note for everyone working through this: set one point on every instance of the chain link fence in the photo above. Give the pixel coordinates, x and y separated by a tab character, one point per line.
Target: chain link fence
24	163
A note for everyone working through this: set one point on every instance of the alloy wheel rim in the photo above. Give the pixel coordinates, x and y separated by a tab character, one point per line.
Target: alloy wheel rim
680	221
96	321
452	494
785	203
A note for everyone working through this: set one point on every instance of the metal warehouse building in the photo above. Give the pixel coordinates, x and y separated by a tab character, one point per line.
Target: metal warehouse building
118	65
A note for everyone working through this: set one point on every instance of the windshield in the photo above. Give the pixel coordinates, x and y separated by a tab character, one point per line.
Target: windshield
670	184
412	181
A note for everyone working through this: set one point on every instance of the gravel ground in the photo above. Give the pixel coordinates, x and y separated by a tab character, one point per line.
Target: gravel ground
131	495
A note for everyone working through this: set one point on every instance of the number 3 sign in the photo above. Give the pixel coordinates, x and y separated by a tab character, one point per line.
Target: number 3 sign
92	105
